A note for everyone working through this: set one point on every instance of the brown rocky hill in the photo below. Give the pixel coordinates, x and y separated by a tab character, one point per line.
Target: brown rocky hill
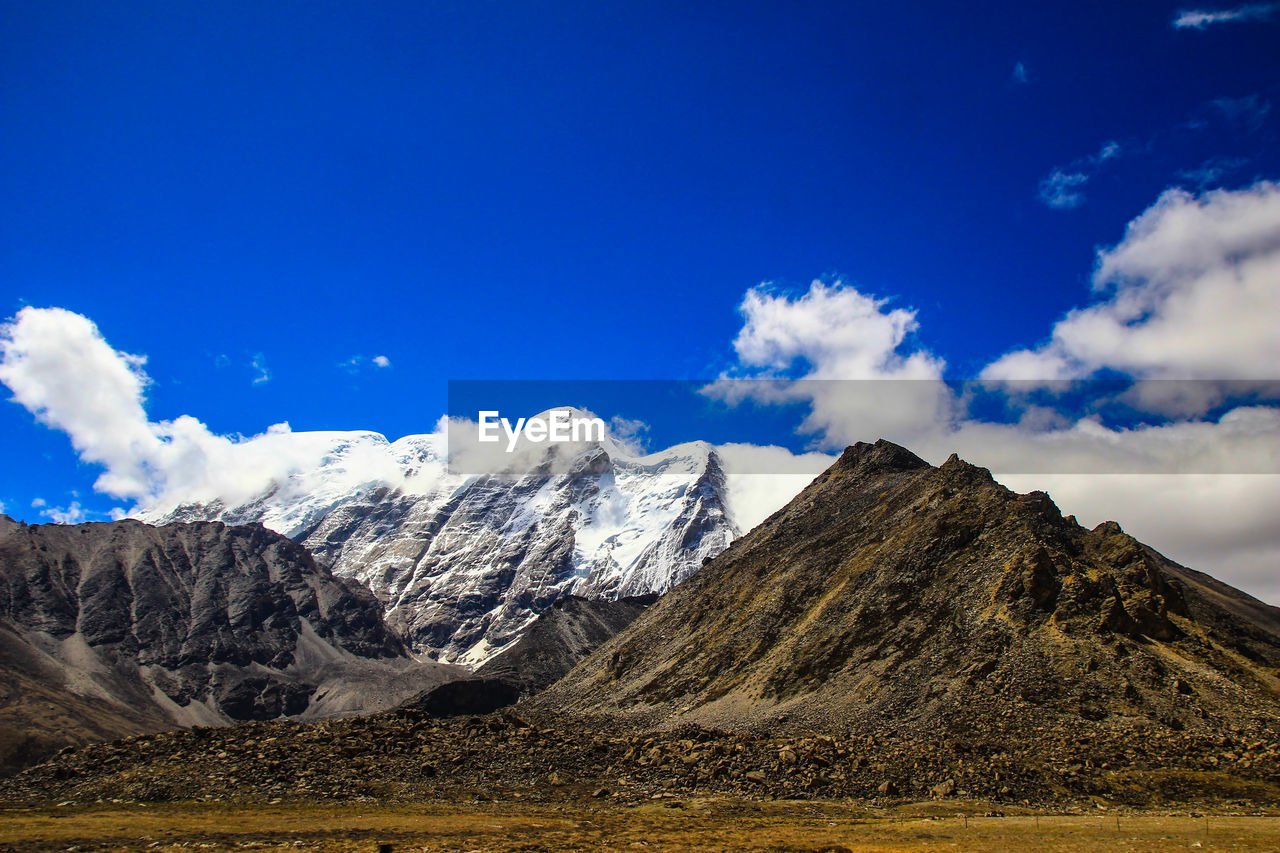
118	628
893	599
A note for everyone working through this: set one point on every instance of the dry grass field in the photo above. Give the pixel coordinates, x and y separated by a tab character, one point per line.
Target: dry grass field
678	825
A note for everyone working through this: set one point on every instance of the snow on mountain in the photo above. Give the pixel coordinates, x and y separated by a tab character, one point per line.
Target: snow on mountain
463	563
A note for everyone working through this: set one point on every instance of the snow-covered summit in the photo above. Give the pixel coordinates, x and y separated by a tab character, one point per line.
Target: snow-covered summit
463	562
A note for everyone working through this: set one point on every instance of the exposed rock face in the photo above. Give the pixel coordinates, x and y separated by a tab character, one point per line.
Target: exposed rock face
564	634
129	627
465	696
894	598
464	564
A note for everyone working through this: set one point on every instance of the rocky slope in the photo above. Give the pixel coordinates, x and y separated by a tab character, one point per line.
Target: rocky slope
563	634
114	628
463	564
409	756
895	599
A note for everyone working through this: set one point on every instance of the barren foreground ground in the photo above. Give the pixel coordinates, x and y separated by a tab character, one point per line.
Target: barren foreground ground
672	824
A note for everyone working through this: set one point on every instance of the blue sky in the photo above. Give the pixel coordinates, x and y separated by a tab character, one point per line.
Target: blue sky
264	197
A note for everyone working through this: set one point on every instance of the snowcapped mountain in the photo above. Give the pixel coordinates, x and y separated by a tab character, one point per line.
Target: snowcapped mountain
464	563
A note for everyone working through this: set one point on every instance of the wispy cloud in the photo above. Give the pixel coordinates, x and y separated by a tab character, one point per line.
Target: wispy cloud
1251	110
259	365
357	363
1020	73
1198	19
1063	188
1211	171
631	433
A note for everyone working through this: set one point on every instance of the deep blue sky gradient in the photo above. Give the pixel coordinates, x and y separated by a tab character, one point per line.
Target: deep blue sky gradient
520	190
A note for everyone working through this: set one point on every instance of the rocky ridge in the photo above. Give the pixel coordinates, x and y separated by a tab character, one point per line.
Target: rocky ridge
120	627
893	597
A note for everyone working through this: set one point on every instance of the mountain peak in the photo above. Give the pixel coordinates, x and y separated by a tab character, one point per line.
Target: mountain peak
894	597
884	455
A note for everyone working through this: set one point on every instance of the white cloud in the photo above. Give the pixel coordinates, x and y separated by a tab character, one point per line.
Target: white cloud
1198	19
72	514
832	332
39	502
1243	440
381	361
754	496
1191	292
1020	73
60	368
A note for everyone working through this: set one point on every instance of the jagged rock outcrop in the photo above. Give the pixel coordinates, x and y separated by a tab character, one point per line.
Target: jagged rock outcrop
464	564
122	627
893	598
